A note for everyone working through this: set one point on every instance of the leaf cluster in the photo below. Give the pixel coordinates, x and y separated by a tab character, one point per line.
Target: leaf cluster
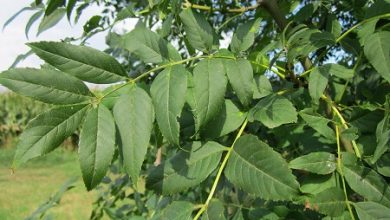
286	122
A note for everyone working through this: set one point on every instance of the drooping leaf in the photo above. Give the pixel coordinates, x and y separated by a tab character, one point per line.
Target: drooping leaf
113	93
240	75
31	21
126	12
48	131
7	22
314	184
262	86
166	26
51	20
259	61
329	202
83	62
377	51
215	211
340	71
306	40
53	5
80	9
273	111
318	123
367	183
209	90
177	210
92	24
229	119
379	7
149	46
97	145
318	80
20	58
134	116
186	169
244	36
199	32
372	211
257	169
168	94
306	11
383	165
382	137
46	85
317	162
365	30
69	8
333	25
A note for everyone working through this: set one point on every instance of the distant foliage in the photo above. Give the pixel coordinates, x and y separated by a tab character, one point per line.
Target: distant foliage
15	112
291	120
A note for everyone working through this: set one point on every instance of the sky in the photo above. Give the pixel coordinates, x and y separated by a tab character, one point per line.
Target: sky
13	39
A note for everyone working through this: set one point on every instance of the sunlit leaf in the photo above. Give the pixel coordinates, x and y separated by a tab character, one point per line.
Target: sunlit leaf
83	62
97	145
257	169
134	116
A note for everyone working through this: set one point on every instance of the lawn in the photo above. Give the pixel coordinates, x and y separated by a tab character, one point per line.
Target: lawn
33	183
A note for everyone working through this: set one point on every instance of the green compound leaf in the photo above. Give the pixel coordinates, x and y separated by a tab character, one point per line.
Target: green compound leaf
262	87
318	80
113	93
83	62
177	210
340	71
377	51
209	90
199	32
372	211
186	169
244	36
229	119
314	184
329	202
215	211
240	75
46	85
318	123
149	46
168	94
318	162
126	12
48	131
273	111
382	137
97	145
367	183
383	165
134	116
257	169
51	20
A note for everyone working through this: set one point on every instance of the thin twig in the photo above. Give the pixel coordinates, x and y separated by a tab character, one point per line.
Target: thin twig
219	174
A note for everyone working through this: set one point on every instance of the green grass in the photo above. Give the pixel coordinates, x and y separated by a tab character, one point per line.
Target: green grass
32	184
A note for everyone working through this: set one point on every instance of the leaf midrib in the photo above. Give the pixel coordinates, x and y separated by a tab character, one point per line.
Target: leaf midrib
271	177
53	128
48	87
368	183
188	165
78	61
